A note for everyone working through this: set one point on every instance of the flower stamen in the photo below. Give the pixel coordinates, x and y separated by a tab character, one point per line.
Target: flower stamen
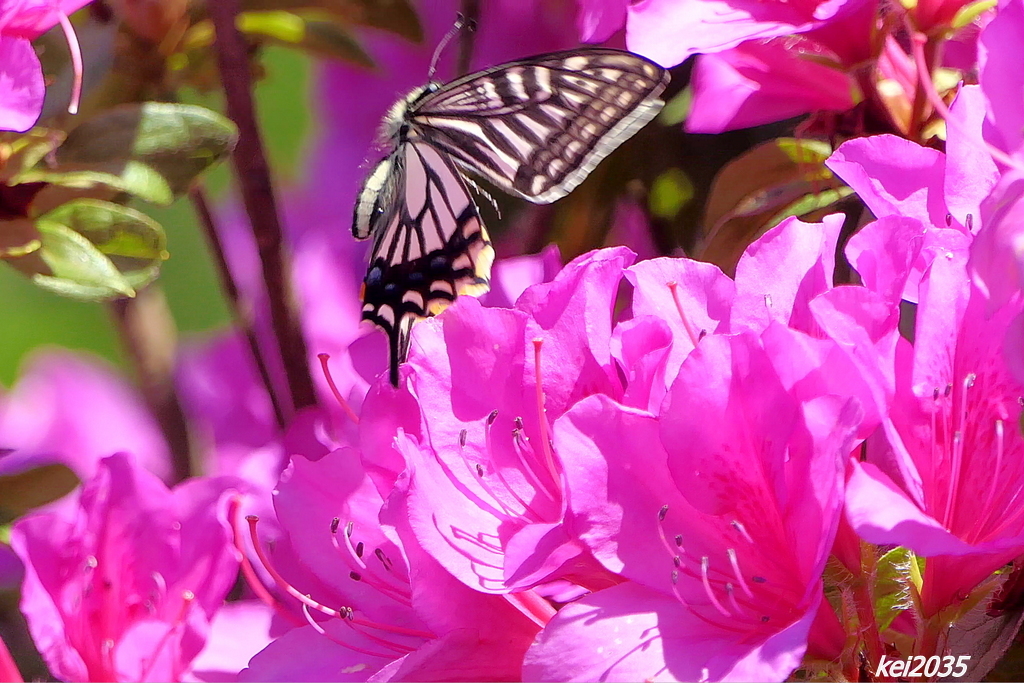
323	358
687	325
76	60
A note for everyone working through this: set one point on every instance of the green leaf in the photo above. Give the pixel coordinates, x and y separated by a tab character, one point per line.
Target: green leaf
22	151
321	37
328	40
76	267
152	150
135	178
670	192
677	109
968	13
284	26
133	241
892	591
397	16
18	238
809	203
751	193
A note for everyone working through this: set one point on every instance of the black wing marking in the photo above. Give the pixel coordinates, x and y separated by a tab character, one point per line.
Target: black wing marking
538	126
432	248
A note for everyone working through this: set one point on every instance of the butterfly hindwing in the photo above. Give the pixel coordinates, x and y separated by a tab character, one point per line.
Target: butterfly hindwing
537	127
432	248
534	128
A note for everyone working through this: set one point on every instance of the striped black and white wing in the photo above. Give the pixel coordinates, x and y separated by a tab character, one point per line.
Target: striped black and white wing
537	127
429	244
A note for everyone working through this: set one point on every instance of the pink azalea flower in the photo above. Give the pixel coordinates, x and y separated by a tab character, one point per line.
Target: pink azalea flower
597	20
478	465
781	278
764	80
237	632
121	582
1000	81
943	476
398	614
997	255
896	177
669	31
935	15
68	409
720	512
21	77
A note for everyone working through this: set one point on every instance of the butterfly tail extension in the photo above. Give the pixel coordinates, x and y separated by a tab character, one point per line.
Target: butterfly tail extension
396	297
399	337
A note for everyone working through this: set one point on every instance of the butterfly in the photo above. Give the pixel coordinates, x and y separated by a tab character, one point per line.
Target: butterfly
535	128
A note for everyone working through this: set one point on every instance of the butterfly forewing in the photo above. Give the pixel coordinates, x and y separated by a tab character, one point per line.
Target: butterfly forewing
433	248
536	128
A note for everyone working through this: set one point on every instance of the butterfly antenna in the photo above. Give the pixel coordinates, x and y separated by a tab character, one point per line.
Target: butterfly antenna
460	23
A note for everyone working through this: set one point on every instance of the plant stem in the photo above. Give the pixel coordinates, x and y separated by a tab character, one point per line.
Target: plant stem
917	116
470	9
253	174
242	310
147	331
865	601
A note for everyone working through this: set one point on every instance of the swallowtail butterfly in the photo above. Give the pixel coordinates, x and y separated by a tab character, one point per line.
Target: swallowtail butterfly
535	127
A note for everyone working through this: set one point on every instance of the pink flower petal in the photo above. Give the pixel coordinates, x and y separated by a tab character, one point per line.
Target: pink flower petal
597	20
21	84
68	409
1002	80
894	176
763	82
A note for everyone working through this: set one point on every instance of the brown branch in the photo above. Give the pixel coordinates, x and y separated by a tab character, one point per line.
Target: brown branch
147	331
470	10
242	310
253	174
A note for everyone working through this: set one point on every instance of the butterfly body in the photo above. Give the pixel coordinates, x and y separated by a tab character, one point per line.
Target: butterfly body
534	128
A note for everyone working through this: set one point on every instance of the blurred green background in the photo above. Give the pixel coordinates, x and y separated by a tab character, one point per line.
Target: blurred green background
33	317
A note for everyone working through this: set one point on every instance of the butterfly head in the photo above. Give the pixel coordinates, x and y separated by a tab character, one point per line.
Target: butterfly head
396	124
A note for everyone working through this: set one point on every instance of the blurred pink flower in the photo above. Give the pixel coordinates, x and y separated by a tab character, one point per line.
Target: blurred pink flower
720	511
669	31
121	582
597	20
1000	80
22	87
765	80
66	408
762	82
933	16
